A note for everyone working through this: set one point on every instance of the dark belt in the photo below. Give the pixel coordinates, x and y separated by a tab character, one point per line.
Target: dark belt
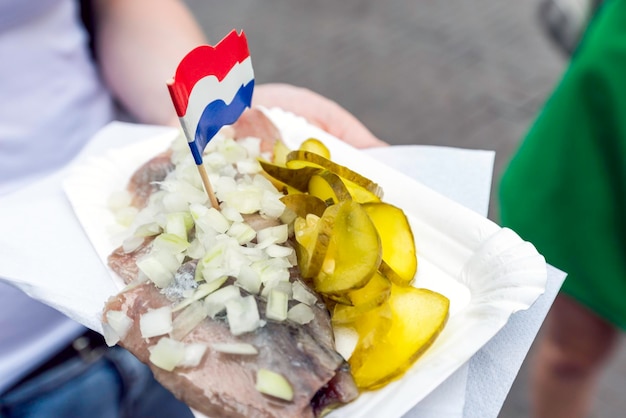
89	346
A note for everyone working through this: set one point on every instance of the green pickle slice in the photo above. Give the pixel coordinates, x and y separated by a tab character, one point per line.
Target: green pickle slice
354	249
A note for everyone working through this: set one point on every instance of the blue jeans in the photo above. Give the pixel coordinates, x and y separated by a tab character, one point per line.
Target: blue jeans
114	385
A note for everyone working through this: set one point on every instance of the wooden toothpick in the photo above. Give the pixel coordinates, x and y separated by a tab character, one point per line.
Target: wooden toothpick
207	186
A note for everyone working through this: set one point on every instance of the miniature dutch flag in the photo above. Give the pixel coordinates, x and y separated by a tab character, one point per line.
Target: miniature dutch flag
212	88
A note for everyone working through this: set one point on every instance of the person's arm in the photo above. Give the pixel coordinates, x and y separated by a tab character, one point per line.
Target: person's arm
139	44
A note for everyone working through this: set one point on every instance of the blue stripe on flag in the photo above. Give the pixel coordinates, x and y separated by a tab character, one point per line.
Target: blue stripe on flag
217	114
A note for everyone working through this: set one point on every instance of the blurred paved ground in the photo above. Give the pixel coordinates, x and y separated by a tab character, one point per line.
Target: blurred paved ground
467	74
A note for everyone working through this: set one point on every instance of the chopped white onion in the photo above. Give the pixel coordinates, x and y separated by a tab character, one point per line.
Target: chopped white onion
245	199
252	253
302	294
235	348
271	205
110	336
174	202
277	303
249	280
243	315
261	182
196	249
273	384
273	234
178	223
193	355
346	339
156	322
211	274
216	301
228	170
214	160
151	265
187	320
272	269
213	265
167	353
224	185
301	314
231	213
280	285
242	232
148	229
209	218
172	243
130	244
248	166
119	322
191	191
231	150
278	251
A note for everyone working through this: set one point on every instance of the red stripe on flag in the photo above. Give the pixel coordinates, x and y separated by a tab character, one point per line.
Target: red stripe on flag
204	61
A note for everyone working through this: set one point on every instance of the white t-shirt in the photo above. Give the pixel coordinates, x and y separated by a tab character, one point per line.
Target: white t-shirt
53	101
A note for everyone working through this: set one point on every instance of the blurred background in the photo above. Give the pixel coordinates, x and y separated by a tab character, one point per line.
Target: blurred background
467	74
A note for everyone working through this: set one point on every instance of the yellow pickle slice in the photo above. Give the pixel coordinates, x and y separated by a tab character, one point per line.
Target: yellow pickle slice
296	178
304	204
417	318
328	187
356	302
398	243
279	153
316	146
354	249
312	245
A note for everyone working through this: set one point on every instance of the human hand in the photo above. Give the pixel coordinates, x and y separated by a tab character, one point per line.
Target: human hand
318	110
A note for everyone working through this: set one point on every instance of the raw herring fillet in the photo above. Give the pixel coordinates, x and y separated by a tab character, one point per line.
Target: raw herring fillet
223	385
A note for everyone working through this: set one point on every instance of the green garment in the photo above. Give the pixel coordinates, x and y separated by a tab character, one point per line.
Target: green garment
565	189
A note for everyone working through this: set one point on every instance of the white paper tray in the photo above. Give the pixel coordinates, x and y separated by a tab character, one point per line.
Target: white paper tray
486	271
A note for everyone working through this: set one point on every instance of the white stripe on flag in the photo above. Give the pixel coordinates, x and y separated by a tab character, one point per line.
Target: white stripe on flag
209	89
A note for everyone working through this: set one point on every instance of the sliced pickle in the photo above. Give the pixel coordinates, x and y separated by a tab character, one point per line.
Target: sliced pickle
298	178
360	194
356	302
343	314
417	318
399	253
391	274
372	326
316	146
354	250
300	158
305	231
328	187
312	238
374	293
279	153
304	204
